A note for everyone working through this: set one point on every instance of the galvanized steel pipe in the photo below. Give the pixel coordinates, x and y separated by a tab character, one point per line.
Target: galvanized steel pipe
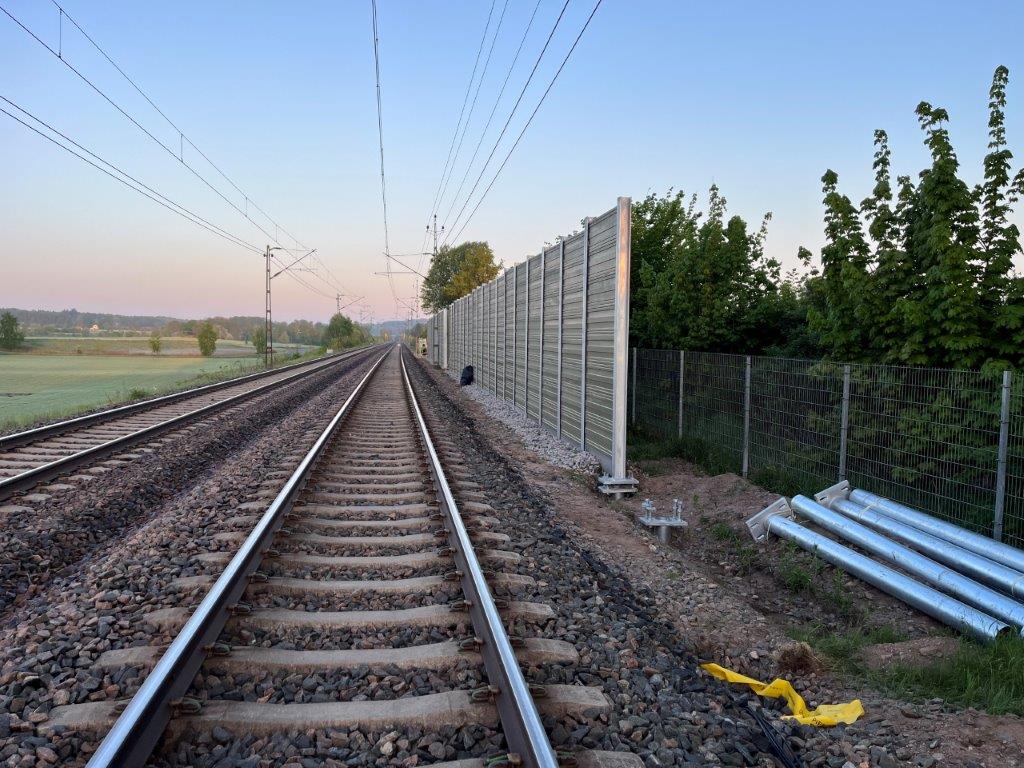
941	576
926	599
983	545
964	560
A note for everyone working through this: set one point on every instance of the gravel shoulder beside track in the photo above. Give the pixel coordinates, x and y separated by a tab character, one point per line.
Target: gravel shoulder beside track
703	607
663	708
170	511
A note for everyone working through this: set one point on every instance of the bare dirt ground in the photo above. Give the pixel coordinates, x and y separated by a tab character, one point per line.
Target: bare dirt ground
738	604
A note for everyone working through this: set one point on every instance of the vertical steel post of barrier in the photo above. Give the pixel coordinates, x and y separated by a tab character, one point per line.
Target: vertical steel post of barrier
1004	444
526	345
558	384
682	383
746	419
515	329
504	334
632	391
494	338
583	334
620	343
844	422
540	363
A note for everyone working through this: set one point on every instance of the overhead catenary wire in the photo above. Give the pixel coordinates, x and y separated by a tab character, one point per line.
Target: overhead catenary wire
458	124
129	181
529	120
472	106
179	156
383	176
184	137
511	115
490	117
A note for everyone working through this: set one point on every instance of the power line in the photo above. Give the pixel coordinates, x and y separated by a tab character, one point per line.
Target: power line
380	137
455	134
515	107
128	180
380	127
530	120
472	106
183	138
380	142
490	117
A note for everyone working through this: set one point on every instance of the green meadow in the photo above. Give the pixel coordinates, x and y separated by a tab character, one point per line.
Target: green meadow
36	387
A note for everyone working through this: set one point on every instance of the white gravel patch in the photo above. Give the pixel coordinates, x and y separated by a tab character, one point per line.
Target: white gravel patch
537	439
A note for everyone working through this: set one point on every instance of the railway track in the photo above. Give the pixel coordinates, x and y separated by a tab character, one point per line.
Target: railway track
42	454
365	576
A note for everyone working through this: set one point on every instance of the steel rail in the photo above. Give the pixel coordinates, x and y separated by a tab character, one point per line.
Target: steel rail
18	439
26	480
524	731
134	735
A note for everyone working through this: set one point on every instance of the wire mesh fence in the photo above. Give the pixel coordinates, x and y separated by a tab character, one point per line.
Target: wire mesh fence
947	442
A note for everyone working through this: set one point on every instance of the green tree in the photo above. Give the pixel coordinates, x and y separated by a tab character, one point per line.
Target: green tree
342	333
258	336
207	338
703	282
11	336
155	343
455	272
932	283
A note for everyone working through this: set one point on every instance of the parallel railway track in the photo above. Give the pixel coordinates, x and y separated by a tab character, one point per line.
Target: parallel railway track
42	454
380	568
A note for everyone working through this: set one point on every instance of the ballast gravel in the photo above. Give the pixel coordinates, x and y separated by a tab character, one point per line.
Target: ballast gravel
49	648
536	438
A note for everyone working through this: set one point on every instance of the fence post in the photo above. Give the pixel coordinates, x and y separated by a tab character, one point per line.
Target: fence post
1004	442
632	387
540	362
746	419
682	381
844	422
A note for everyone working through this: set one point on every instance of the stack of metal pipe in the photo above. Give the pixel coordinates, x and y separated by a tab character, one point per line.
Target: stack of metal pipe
963	579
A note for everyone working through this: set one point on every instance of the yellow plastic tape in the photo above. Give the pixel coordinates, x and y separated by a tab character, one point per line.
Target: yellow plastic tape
823	716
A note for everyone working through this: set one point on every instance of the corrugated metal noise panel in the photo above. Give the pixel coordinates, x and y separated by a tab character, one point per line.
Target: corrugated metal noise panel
542	335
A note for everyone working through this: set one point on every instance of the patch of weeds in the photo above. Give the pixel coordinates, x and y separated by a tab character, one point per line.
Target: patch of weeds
780	481
644	446
723	532
842	649
653	468
747	555
138	394
986	677
797	573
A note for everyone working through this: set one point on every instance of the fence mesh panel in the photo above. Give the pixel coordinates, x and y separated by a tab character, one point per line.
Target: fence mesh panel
925	437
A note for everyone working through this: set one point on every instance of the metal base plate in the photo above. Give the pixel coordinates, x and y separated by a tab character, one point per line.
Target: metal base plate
758	524
840	490
619	485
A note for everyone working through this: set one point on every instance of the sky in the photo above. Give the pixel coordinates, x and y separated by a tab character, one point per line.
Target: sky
758	98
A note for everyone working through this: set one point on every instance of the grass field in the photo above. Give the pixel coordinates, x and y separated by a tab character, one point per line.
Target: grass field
139	345
36	387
